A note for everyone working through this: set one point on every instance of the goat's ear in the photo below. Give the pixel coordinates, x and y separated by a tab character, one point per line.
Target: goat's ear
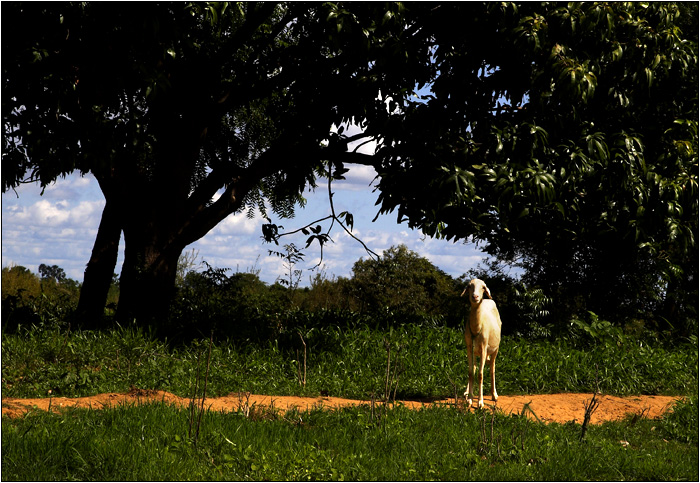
465	291
488	292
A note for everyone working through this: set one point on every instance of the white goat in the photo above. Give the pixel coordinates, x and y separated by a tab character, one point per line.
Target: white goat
483	334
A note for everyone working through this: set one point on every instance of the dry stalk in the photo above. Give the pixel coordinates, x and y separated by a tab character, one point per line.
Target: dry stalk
193	403
399	369
388	369
392	377
487	444
245	407
204	393
197	407
590	407
493	418
302	381
454	388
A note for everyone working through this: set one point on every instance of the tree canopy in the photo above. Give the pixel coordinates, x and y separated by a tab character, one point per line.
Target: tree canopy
567	143
539	128
557	124
187	113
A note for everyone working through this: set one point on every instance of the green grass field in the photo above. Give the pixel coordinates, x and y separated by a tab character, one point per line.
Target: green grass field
155	442
426	361
151	442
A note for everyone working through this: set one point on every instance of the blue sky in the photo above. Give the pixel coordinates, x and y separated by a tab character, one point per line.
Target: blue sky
59	228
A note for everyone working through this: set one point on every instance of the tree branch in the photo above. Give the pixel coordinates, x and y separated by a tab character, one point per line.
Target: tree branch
351	157
202	218
206	189
333	217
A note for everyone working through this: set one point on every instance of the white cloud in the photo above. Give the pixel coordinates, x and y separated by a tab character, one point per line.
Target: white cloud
73	188
238	224
60	228
385	239
358	178
44	213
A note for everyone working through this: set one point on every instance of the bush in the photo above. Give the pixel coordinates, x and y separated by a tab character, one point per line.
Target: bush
681	424
404	282
596	333
30	300
240	306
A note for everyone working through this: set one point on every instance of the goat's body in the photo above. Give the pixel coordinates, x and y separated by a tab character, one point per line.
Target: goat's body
483	337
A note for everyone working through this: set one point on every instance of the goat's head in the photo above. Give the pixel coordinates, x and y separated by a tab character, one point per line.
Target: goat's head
476	290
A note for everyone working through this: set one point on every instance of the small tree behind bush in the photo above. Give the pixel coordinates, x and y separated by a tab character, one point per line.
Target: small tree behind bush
403	282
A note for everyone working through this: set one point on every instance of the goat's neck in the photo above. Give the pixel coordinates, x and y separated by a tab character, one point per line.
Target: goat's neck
476	323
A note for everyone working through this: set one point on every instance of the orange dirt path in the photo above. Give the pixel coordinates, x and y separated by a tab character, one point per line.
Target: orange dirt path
547	408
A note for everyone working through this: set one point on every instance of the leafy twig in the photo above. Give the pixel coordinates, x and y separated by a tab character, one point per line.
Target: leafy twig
313	229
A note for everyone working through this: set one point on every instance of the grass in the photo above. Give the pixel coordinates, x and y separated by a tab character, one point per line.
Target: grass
425	361
154	442
150	442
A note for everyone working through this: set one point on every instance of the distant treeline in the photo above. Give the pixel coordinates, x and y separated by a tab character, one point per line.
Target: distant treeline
399	287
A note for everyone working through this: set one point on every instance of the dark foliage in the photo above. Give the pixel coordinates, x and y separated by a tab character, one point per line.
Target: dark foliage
564	135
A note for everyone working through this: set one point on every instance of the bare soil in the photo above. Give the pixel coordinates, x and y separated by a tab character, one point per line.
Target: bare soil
547	408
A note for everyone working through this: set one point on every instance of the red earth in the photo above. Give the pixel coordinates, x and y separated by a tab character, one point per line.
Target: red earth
547	408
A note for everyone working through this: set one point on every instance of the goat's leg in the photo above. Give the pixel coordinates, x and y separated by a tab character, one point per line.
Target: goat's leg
470	367
493	376
482	362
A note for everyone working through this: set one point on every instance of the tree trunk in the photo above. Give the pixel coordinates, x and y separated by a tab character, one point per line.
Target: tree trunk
100	268
147	282
160	214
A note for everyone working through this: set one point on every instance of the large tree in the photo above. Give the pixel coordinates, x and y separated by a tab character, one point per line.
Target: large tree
546	124
567	142
187	113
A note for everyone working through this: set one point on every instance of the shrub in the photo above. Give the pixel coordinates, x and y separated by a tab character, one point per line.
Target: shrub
681	424
27	299
239	306
403	282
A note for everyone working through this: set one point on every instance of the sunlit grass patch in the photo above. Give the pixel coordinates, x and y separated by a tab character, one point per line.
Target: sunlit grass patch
152	442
